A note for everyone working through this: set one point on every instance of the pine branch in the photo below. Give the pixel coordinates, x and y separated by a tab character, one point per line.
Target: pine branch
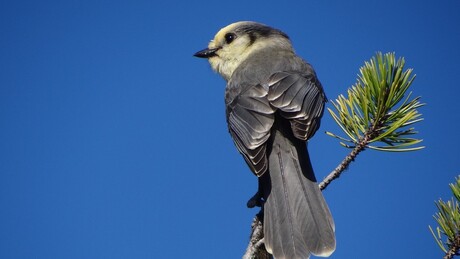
345	162
454	250
256	248
448	219
378	108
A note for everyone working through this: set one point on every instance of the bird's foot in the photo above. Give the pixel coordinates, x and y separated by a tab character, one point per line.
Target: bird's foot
255	201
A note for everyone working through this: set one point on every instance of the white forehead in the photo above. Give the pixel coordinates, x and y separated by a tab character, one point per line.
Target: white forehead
220	35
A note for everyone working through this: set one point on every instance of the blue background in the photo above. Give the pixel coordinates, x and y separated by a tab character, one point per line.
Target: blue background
113	140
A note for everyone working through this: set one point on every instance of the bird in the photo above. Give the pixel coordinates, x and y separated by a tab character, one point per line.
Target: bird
274	105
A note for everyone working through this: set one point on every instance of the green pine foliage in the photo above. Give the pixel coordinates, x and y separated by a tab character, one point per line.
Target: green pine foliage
377	109
448	219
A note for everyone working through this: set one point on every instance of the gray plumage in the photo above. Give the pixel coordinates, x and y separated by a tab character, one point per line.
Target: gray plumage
274	104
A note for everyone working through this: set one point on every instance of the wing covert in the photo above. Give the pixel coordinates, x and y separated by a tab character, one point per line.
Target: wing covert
300	98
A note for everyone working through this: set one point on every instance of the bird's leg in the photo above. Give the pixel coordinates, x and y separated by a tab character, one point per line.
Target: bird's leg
255	200
258	199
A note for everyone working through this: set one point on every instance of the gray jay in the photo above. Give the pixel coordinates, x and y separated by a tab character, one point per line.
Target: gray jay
274	104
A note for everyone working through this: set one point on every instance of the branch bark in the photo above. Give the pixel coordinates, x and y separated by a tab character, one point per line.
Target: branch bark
454	249
345	162
256	248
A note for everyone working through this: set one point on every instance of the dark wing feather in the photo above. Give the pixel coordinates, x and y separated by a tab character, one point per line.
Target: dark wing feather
300	98
250	118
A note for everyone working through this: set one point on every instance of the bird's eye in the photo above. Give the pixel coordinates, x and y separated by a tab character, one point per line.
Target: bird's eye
229	37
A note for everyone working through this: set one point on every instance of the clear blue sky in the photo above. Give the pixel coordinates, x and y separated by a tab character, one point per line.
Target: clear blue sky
113	140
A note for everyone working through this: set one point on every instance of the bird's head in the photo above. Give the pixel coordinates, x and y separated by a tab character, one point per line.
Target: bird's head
234	43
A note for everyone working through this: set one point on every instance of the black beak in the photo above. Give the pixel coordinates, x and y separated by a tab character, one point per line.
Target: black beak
206	53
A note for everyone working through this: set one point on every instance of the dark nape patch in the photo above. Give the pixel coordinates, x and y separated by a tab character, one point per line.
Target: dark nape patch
255	30
252	37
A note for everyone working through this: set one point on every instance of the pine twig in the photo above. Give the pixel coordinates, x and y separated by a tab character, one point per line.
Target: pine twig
345	163
454	249
447	233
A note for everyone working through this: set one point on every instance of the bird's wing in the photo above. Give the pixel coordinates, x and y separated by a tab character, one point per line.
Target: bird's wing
250	118
300	98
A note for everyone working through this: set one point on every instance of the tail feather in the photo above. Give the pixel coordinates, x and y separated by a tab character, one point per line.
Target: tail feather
297	221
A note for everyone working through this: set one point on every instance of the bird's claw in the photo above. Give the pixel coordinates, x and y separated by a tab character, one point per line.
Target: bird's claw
255	201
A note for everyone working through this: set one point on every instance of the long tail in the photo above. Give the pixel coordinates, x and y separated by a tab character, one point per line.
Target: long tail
297	221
